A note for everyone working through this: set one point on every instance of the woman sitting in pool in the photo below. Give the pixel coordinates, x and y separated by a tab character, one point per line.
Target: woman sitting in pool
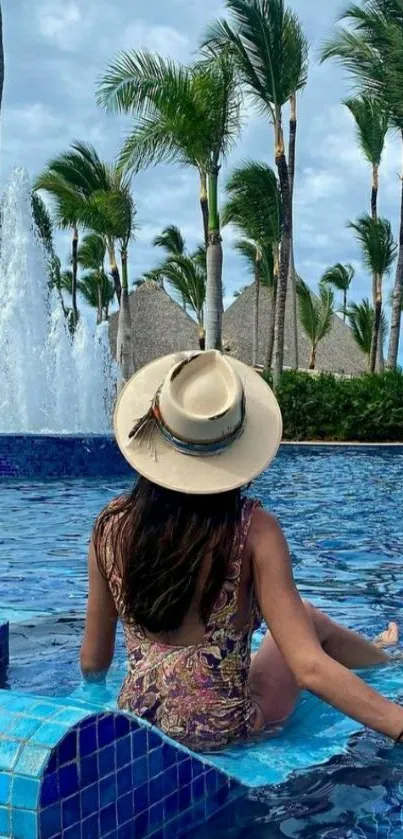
190	566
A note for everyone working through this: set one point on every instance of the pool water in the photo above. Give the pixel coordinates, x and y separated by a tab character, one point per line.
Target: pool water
341	511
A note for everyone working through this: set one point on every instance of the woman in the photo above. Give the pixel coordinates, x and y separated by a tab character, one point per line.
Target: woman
191	567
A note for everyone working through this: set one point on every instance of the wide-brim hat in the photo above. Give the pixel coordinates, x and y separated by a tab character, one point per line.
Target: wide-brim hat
198	422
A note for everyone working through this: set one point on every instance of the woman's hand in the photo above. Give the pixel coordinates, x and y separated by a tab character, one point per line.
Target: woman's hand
295	635
98	645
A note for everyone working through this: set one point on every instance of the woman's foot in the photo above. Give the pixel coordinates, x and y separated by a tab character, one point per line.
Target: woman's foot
389	638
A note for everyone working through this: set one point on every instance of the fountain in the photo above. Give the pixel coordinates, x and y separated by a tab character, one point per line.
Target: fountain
50	383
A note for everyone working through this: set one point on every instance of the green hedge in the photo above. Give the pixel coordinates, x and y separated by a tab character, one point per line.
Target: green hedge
364	409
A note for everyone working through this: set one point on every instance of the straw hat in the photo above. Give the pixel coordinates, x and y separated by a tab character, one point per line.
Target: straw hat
198	422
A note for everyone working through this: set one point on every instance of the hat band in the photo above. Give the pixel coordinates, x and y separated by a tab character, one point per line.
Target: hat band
197	449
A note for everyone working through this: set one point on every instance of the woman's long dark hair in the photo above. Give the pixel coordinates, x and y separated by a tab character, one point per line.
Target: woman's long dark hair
158	541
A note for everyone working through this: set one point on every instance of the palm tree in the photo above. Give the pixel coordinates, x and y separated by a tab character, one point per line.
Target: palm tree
44	229
361	318
190	115
379	252
316	315
270	52
91	257
372	122
189	280
254	208
260	262
171	240
370	48
340	276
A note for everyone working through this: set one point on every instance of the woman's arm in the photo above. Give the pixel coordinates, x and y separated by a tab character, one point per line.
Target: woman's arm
100	627
295	635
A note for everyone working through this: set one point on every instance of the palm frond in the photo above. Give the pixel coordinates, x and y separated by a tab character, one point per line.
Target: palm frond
89	285
379	248
171	240
360	317
254	204
91	253
189	281
340	276
372	122
315	313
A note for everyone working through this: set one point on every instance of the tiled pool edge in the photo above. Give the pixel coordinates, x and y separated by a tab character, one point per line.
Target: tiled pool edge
79	772
4	645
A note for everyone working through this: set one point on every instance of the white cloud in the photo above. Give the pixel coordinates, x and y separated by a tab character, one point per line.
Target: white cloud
56	20
165	40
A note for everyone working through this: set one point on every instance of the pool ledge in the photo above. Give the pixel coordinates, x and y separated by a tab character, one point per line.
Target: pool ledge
77	771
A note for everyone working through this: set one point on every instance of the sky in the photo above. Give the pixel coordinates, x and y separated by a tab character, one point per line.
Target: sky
56	50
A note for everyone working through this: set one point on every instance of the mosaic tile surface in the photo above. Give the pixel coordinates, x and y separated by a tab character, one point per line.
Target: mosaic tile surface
78	773
4	647
68	456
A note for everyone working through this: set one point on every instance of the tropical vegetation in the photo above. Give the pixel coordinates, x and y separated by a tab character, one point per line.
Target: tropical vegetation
192	115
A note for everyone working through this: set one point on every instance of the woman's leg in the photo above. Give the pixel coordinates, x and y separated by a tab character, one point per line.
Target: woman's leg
272	684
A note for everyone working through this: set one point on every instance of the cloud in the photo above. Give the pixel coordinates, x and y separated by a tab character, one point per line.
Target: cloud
57	21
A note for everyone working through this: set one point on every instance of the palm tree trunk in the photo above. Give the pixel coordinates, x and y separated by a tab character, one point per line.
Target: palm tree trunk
312	360
214	302
1	59
255	352
204	205
397	297
99	290
270	329
344	304
202	337
374	191
74	277
381	357
291	273
377	324
114	269
284	255
124	353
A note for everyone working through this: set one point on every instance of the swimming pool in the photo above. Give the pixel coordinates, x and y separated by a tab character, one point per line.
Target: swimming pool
341	510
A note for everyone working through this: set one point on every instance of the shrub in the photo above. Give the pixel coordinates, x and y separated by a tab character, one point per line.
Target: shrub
364	409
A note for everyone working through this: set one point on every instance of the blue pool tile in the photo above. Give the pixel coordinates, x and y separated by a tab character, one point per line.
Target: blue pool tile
67	749
32	760
23	824
6	719
140	771
9	750
141	798
127	831
125	808
108	818
53	761
90	800
170	780
24	727
198	788
184	771
105	731
123	751
68	780
20	704
211	780
89	770
168	755
107	760
153	741
197	768
73	832
156	789
185	797
124	780
51	821
139	743
25	792
107	790
5	788
71	813
44	710
70	716
88	739
49	734
171	806
90	827
141	823
49	789
4	821
155	761
122	726
156	815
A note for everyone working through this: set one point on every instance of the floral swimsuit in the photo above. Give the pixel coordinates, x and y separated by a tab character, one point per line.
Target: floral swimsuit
198	695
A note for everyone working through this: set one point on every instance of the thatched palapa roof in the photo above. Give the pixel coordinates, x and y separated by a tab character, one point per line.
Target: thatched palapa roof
160	326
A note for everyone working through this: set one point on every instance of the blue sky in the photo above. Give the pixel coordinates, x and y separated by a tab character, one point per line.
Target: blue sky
56	51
